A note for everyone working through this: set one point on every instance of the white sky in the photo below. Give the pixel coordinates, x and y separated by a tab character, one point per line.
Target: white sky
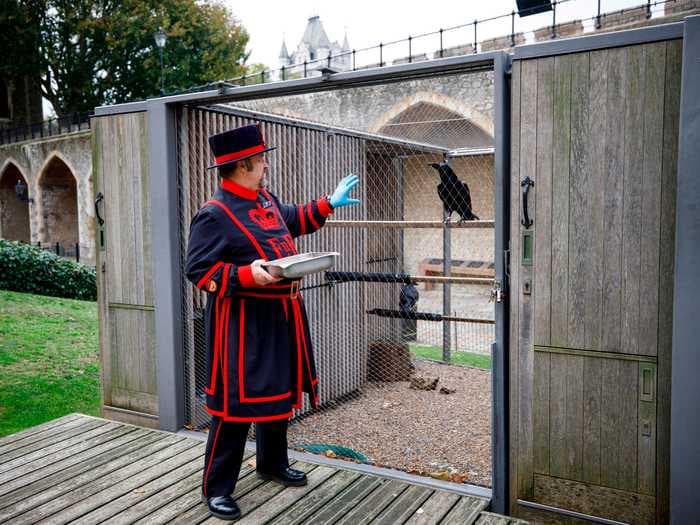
370	21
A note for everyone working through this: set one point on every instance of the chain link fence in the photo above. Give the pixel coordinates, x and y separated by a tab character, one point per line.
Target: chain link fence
402	326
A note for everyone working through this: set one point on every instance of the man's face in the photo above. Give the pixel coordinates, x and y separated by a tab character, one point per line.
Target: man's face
260	167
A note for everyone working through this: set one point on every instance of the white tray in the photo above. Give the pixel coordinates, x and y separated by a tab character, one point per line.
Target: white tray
301	264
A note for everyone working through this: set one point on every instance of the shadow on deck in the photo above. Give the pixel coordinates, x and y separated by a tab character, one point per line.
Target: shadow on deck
92	470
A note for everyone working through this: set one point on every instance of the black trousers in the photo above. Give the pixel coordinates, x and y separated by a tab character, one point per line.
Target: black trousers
225	447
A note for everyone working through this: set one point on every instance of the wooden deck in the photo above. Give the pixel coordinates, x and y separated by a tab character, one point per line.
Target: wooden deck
90	470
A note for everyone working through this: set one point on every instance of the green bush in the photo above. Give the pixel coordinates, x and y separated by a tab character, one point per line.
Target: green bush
27	268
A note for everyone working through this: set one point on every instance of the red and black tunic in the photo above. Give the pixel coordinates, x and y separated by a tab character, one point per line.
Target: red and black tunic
259	353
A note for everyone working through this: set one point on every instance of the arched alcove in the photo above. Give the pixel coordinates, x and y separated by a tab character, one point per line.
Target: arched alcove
434	124
14	206
59	203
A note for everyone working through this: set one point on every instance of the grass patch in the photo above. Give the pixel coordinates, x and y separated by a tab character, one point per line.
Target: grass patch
458	358
49	359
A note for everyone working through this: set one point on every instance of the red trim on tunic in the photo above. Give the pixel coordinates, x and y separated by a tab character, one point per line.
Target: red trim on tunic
240	226
211	458
239	190
236	155
310	211
241	366
207	275
250	419
324	206
303	339
224	279
245	276
227	309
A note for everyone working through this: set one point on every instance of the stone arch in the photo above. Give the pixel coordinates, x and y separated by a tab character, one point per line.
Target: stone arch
14	210
437	119
58	202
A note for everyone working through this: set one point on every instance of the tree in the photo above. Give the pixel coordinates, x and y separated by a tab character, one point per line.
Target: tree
95	52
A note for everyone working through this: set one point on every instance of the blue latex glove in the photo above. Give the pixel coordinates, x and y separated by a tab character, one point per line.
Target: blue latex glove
341	194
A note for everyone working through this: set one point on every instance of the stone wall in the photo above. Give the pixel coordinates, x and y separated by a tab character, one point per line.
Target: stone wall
58	172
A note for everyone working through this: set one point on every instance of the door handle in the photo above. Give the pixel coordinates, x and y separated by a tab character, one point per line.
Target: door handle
526	183
99	199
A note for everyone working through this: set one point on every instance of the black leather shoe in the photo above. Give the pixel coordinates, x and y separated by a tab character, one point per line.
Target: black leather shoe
288	477
223	507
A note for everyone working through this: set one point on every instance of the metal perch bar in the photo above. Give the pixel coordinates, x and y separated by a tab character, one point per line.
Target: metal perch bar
374	277
424	316
410	224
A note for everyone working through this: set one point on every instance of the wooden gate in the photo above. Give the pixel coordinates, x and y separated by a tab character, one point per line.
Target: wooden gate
592	281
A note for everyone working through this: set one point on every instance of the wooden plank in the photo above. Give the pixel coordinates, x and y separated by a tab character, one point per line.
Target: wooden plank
540	413
404	506
262	494
434	509
528	150
317	499
651	197
595	195
666	272
346	500
578	199
287	498
366	510
628	507
39	439
574	417
137	489
83	482
489	518
561	152
36	432
514	265
632	204
543	208
599	355
465	511
557	411
51	445
610	424
628	430
592	399
61	460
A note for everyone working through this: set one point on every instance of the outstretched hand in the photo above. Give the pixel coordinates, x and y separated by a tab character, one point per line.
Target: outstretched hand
341	194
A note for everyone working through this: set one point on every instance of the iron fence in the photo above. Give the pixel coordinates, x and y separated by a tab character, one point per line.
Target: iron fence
47	128
409	298
67	250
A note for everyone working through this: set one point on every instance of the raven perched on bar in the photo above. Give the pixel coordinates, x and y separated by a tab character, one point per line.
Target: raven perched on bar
454	193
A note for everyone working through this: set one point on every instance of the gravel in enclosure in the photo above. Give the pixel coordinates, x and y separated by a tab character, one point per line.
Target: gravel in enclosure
424	432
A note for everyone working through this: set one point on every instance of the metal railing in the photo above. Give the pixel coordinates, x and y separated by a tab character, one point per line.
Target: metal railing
47	128
67	250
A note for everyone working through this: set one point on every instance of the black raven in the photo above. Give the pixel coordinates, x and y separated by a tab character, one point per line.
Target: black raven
454	193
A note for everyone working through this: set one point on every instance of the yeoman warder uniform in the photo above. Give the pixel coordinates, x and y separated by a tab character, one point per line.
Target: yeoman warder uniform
260	358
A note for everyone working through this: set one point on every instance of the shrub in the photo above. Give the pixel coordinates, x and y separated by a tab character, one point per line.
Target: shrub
26	268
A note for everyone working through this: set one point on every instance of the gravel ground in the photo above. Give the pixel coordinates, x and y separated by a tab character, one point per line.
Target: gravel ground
423	432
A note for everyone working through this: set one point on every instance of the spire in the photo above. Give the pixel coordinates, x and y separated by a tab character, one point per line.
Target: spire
315	36
346	45
283	52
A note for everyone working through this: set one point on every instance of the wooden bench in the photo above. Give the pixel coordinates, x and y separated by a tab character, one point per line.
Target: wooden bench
433	266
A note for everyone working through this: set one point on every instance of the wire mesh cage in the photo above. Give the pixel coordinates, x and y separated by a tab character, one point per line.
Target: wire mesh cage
403	324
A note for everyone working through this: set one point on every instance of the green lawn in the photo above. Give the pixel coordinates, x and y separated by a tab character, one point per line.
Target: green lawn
49	359
458	358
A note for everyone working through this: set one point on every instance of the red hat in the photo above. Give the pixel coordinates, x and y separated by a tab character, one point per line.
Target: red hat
237	144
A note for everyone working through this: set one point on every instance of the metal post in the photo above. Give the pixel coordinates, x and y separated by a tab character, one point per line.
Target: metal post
597	18
329	58
512	29
500	348
162	73
648	8
284	77
381	61
305	64
262	76
167	296
475	22
446	288
685	387
441	49
58	247
77	252
554	19
353	60
409	49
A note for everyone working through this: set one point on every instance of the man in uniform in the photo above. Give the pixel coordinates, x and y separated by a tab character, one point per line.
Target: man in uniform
259	354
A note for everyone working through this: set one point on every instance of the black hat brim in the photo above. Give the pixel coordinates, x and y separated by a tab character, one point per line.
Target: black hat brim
242	158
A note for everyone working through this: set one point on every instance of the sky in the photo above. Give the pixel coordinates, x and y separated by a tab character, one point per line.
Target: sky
369	22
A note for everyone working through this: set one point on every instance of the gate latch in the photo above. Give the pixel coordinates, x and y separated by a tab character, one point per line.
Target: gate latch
497	293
